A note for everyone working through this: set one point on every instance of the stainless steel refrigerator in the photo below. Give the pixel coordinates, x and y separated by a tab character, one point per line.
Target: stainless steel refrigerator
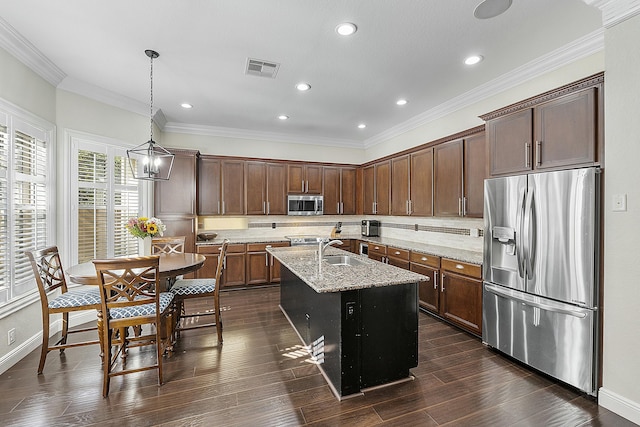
540	272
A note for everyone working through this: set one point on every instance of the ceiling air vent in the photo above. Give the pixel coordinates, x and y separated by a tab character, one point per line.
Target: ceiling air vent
257	67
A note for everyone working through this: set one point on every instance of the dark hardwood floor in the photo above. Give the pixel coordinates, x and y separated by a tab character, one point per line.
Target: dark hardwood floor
262	377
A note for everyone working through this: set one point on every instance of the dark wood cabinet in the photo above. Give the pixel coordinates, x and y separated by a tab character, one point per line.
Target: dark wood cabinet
421	183
211	253
209	197
400	187
475	172
221	187
232	187
304	179
377	188
429	291
274	264
447	193
554	134
398	257
258	264
265	188
339	190
461	299
377	252
234	268
177	196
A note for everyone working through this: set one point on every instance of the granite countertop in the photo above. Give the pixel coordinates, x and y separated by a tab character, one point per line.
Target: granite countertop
303	262
472	257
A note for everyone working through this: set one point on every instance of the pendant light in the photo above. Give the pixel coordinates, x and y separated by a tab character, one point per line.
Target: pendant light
149	161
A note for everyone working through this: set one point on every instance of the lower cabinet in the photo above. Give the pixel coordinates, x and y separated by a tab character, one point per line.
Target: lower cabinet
398	257
261	266
429	291
453	291
248	264
461	287
378	252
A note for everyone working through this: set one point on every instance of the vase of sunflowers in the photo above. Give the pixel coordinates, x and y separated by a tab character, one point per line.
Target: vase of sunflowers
145	229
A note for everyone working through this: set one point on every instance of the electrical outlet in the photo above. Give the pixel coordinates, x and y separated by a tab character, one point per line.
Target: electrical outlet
11	336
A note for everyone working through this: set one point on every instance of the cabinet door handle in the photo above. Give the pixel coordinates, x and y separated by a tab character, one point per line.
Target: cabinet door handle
527	148
264	207
307	188
435	280
397	253
268	208
341	207
266	259
538	153
442	287
459	206
218	207
464	206
460	266
223	207
424	258
410	207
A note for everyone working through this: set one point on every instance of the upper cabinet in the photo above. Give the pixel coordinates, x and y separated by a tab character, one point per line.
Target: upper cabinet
220	187
177	196
556	130
377	188
400	185
265	188
304	179
421	201
339	190
459	173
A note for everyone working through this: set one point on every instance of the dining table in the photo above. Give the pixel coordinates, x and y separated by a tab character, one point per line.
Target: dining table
171	265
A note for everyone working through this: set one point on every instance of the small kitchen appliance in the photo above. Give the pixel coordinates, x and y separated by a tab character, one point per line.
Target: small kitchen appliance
370	228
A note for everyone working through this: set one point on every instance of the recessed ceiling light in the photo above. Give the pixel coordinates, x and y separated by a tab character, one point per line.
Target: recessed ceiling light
303	86
362	126
283	117
491	8
346	29
401	102
186	105
473	59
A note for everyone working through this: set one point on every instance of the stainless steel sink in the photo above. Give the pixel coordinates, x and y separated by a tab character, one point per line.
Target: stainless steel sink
342	260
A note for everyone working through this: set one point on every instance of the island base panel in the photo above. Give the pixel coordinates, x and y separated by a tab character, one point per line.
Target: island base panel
361	338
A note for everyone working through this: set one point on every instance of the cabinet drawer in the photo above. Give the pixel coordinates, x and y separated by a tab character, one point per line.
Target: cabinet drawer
471	270
424	259
378	249
236	248
398	253
208	249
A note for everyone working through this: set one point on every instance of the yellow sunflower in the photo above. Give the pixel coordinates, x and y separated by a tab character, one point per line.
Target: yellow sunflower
152	228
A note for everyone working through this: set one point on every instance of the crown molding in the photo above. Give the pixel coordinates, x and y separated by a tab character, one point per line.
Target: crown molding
14	43
571	52
99	94
615	11
258	135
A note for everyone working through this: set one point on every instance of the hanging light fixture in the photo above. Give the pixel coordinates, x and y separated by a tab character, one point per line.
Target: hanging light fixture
149	161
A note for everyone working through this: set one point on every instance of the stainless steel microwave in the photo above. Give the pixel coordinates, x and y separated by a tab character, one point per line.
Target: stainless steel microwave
304	205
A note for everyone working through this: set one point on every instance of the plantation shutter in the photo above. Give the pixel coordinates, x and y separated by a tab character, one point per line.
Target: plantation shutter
126	204
30	205
4	215
92	205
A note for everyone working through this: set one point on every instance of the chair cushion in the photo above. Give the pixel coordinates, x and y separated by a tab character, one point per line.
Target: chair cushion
77	297
193	286
166	298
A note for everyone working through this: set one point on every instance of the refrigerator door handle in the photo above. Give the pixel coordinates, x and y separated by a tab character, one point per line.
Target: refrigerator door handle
519	236
529	233
525	299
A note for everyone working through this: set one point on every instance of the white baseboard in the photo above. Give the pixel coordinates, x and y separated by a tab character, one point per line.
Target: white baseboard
619	404
34	342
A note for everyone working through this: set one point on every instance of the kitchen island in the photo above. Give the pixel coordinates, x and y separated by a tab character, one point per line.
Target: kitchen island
357	318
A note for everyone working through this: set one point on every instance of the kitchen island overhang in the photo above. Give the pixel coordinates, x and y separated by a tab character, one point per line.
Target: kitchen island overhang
358	322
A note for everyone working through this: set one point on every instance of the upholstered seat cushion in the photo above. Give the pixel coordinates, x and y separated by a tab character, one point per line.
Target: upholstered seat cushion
193	286
77	297
166	298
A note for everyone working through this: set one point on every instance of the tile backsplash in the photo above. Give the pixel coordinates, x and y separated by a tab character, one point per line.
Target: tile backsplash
461	233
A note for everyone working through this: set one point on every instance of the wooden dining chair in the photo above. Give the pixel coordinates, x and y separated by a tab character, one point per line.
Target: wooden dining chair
49	275
167	245
129	297
184	289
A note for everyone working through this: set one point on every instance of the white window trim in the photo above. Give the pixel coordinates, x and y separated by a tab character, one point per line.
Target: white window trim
15	117
68	249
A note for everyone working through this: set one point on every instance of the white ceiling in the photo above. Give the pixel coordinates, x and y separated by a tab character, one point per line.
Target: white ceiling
411	49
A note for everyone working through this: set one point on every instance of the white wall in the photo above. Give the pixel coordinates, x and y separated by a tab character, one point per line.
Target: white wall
225	146
621	359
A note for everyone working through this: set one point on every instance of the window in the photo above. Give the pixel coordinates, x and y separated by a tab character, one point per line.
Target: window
27	185
106	196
